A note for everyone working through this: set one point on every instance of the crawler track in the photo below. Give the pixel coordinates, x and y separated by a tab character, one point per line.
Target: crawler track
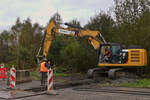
144	93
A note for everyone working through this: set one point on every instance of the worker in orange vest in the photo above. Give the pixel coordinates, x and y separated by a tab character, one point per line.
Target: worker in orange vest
43	70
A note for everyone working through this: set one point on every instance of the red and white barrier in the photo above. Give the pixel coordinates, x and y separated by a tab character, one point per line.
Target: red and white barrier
3	73
12	77
2	65
50	80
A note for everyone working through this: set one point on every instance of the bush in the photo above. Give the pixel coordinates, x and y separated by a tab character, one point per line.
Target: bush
74	54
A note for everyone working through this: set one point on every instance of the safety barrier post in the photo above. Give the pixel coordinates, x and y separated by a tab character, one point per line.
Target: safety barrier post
12	77
3	73
2	66
50	80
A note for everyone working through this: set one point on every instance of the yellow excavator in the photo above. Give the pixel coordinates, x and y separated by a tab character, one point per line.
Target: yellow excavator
114	60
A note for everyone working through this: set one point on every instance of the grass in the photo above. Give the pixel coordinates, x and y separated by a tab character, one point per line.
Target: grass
141	83
144	83
34	75
61	75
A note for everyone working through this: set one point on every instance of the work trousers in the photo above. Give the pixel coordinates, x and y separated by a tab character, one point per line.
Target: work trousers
43	78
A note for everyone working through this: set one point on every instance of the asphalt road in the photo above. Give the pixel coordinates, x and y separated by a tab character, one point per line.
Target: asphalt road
70	94
66	94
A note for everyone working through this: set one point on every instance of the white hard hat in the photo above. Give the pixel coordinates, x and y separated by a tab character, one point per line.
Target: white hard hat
44	59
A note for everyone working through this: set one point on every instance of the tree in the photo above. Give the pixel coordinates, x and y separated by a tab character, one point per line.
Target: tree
78	55
75	23
103	23
5	53
59	42
27	40
127	11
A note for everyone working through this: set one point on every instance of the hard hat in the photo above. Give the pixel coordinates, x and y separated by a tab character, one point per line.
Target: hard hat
44	59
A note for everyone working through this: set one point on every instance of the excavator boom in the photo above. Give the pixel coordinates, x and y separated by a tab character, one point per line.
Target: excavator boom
51	30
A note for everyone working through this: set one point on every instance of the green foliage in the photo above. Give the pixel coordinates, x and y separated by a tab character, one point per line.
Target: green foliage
58	44
78	55
61	69
141	83
145	83
20	44
5	50
103	23
73	54
70	55
75	23
129	15
34	75
128	11
61	75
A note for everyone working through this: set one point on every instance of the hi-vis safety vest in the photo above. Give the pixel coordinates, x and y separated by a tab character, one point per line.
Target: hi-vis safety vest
43	68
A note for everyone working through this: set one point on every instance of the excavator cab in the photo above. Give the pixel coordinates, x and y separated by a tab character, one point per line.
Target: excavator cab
110	53
113	54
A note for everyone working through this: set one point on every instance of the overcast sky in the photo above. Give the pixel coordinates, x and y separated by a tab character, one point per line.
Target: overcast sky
41	10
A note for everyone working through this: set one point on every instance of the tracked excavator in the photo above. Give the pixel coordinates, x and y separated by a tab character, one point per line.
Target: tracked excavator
113	60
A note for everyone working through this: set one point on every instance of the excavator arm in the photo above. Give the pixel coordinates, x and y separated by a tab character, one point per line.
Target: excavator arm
94	37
